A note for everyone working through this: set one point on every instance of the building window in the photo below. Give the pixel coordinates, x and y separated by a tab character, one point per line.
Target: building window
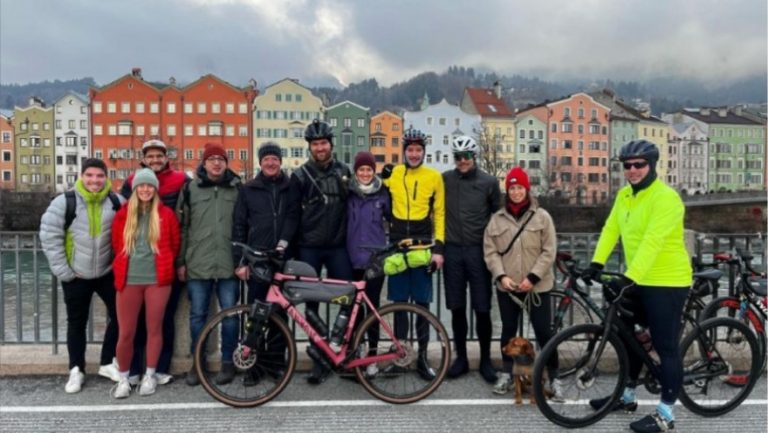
201	130
278	97
522	133
242	131
395	142
229	108
243	155
97	130
201	107
347	122
243	108
171	130
7	156
111	107
215	107
360	140
377	127
83	124
112	130
97	107
125	107
189	154
171	107
361	123
333	122
154	130
154	107
229	130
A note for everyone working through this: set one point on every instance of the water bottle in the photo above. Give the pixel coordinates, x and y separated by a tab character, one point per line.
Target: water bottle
337	335
317	323
643	335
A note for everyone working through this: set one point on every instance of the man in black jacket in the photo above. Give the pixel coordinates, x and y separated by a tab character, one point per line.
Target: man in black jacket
322	234
475	196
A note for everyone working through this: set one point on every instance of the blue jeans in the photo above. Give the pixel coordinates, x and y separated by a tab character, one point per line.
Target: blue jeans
228	292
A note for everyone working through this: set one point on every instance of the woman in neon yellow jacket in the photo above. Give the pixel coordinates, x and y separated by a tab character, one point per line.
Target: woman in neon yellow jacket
648	217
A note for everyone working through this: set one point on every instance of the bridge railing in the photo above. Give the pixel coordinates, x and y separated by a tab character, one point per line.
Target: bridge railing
32	309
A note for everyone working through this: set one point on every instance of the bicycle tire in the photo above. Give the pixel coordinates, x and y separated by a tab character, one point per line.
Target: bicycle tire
572	353
714	372
259	378
577	311
398	382
729	306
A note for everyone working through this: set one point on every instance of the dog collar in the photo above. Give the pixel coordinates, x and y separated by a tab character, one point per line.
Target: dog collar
524	359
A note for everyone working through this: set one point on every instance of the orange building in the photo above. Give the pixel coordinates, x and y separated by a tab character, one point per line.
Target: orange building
386	138
578	149
130	111
7	169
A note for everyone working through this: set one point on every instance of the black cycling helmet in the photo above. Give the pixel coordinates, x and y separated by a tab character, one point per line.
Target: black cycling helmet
412	136
318	130
640	149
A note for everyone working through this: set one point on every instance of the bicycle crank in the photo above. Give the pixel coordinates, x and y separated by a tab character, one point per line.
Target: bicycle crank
408	357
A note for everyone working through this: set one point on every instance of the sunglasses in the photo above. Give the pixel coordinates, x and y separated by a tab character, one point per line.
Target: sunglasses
637	165
458	156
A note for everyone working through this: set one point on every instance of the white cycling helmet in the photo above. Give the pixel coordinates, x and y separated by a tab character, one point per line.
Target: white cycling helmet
464	143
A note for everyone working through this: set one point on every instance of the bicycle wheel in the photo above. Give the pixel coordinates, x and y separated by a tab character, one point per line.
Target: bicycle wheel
568	313
422	335
260	374
717	382
569	355
729	306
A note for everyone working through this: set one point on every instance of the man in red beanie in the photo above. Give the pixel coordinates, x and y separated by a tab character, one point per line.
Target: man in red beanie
205	211
155	156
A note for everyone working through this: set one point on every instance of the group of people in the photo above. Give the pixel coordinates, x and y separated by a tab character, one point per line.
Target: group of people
137	251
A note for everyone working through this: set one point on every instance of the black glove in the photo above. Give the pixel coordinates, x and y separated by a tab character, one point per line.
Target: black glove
386	171
592	272
615	285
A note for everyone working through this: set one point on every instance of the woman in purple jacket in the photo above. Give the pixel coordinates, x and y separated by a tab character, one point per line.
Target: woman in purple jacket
368	209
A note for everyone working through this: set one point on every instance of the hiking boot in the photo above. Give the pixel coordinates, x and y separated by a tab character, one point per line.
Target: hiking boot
503	382
226	374
75	382
598	403
318	375
424	369
459	368
652	423
487	371
191	378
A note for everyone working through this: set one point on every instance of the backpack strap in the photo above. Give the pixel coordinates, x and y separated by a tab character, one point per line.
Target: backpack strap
115	201
69	213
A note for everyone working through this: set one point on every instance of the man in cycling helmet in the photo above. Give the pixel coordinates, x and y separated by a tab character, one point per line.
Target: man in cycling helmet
322	232
475	196
648	217
418	212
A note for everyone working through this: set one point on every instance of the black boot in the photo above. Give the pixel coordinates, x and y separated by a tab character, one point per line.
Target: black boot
191	379
487	371
226	375
460	367
423	368
318	375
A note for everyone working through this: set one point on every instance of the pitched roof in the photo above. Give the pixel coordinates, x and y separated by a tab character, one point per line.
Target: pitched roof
487	104
713	116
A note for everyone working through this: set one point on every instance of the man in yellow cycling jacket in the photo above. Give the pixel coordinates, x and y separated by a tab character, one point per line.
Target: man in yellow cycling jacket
648	217
418	212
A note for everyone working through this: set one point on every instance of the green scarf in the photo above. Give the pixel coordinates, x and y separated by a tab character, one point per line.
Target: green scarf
93	201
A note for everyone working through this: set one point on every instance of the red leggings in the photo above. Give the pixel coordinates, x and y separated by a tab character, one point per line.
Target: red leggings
129	303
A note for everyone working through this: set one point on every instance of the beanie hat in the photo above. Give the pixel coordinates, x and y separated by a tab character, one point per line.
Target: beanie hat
270	148
145	176
517	176
94	162
214	149
364	158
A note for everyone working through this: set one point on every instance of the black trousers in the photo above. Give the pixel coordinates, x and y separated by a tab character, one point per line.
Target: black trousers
77	298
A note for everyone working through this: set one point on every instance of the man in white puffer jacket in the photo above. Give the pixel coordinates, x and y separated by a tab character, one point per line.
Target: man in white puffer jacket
80	255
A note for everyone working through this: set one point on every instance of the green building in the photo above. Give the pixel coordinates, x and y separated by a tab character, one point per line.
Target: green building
351	127
33	143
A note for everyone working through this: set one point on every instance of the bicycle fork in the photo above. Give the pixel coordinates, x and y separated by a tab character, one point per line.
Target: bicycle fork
256	326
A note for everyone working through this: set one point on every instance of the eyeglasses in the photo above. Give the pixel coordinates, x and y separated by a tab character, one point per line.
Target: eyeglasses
216	159
637	165
458	156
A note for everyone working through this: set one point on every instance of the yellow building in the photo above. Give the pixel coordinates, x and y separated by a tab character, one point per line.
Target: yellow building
656	131
281	114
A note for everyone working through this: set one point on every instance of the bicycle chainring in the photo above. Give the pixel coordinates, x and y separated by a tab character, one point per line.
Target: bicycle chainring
408	359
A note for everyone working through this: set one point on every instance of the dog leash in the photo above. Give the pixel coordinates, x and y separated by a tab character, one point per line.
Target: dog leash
532	299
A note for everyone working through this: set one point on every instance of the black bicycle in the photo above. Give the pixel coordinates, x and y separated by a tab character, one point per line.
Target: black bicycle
593	362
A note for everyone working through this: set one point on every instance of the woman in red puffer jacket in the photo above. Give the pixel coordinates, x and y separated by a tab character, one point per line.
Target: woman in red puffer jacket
145	240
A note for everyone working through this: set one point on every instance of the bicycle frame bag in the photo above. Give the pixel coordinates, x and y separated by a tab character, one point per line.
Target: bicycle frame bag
318	291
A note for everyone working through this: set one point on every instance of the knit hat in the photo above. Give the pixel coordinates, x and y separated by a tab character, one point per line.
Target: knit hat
364	158
517	176
270	148
214	149
145	176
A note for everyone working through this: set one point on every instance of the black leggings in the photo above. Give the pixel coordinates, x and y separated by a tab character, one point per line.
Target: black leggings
403	327
541	319
373	291
662	311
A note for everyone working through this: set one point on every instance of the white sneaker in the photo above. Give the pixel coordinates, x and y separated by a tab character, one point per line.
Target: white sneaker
163	378
502	384
122	389
110	371
371	370
134	380
148	385
75	382
558	395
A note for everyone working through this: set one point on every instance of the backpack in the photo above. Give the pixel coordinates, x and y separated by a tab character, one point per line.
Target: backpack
69	214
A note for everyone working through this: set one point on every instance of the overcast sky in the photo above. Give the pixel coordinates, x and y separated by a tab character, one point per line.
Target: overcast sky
346	40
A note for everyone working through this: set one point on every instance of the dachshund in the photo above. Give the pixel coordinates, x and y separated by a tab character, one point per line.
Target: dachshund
521	350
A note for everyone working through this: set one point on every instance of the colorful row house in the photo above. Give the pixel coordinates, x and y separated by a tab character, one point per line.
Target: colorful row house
531	126
351	124
7	164
130	111
71	134
386	132
33	135
281	114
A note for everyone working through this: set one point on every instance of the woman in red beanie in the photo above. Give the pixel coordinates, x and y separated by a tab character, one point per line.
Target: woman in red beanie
520	245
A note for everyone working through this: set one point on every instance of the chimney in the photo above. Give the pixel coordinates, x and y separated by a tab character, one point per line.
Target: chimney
722	112
497	89
136	72
705	111
737	110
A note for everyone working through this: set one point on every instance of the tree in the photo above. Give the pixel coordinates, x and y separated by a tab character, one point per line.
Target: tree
491	148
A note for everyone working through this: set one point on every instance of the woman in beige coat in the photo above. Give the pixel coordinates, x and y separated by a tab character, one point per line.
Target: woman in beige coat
521	266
